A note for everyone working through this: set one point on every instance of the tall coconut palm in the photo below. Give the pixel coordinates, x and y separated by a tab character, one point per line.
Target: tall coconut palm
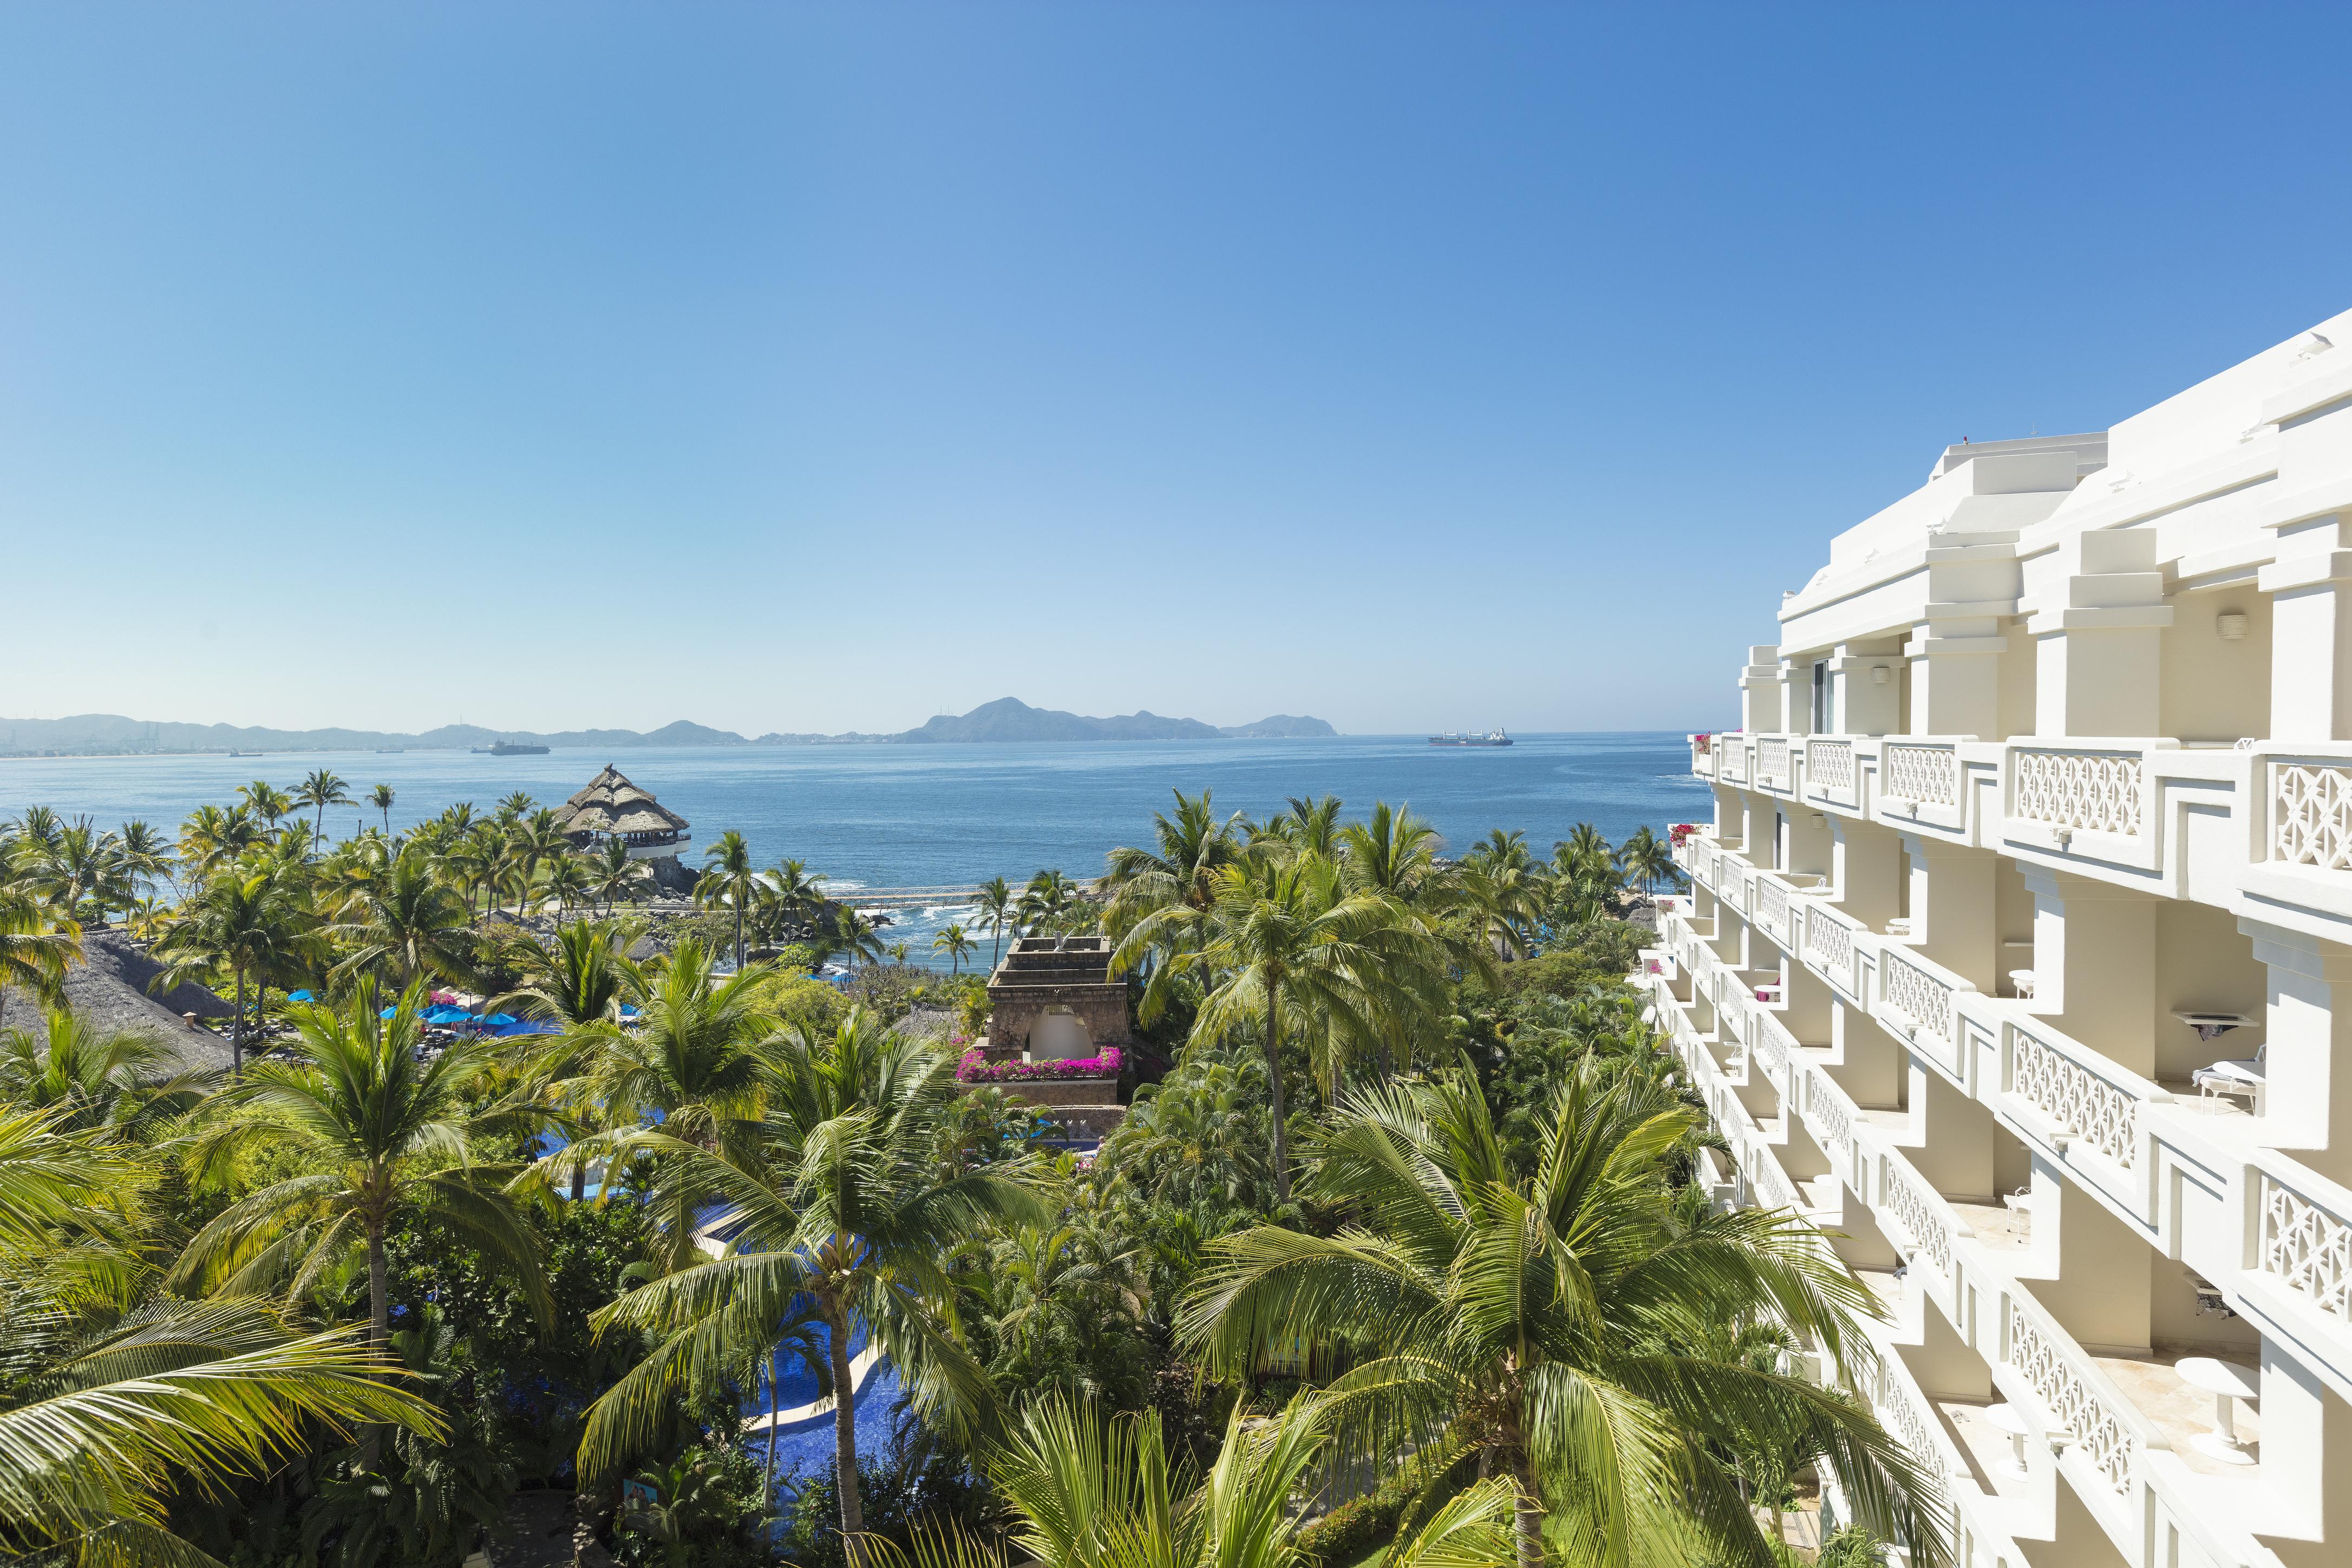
270	804
1049	896
321	790
842	1206
80	871
612	872
955	944
1391	852
36	946
1555	1329
516	806
568	881
585	979
540	841
790	898
1650	857
408	925
115	1399
997	898
249	921
1187	851
853	936
215	836
730	878
146	854
381	797
1094	1490
1287	933
376	1134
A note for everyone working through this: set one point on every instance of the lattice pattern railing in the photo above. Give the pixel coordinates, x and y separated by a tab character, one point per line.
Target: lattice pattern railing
2077	1408
1929	774
2309	1250
1702	861
1900	1412
1829	764
1836	1121
1769	1048
1772	762
1702	758
1918	1213
2075	1098
2312	806
1772	907
2098	792
1919	996
1831	940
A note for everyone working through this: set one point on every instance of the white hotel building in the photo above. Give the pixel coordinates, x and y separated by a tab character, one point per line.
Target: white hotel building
2019	956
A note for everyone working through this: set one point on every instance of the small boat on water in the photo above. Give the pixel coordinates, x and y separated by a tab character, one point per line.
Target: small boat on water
1493	737
509	749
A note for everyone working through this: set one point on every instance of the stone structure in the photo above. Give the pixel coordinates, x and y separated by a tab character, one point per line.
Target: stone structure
1053	998
2018	958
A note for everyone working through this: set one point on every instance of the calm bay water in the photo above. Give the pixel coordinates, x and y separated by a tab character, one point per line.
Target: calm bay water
885	815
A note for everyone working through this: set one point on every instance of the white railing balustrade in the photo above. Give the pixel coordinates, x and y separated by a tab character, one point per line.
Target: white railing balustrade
2307	1248
2311	812
2098	792
1829	764
2072	1399
1919	996
1901	1412
1769	1044
1830	1110
1927	775
1831	940
2077	1101
1773	762
1923	1217
1735	760
1703	755
1772	907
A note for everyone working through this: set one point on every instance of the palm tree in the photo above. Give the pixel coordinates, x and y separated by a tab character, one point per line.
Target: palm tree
955	944
116	1401
612	872
585	980
320	791
791	897
145	854
1094	1490
381	797
380	1135
1553	1329
1393	852
36	946
852	935
514	807
407	924
251	922
996	897
1187	850
90	1080
842	1206
215	836
79	866
1292	932
567	879
1650	857
728	877
1049	896
266	802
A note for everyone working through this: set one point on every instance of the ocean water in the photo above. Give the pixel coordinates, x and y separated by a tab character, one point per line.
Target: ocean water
915	815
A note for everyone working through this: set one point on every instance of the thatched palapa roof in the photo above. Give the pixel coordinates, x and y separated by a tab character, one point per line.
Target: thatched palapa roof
611	804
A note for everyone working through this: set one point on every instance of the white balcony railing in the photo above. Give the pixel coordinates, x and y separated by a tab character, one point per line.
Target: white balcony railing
1773	762
2310	814
1919	994
2092	791
1735	757
1703	755
1920	1210
2307	1248
2078	1397
1829	764
1769	1041
2079	1092
1923	773
1772	908
1831	1111
1829	941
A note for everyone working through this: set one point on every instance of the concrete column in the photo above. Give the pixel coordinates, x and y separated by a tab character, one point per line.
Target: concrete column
1763	693
1952	913
2311	630
2095	965
2306	1462
1972	584
2102	1292
1865	691
2098	669
2308	1104
1865	868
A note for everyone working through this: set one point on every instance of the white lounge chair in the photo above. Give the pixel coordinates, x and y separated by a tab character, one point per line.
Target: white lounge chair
2246	1076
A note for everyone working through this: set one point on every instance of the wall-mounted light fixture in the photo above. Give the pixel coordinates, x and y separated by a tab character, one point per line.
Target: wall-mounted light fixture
1878	675
2231	625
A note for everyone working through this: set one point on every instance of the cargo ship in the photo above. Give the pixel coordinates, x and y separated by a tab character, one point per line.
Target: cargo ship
1491	738
509	749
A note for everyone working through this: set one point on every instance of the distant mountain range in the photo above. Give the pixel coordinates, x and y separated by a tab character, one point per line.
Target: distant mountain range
1007	718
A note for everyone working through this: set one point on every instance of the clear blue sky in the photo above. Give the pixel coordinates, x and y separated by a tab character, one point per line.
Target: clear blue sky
810	368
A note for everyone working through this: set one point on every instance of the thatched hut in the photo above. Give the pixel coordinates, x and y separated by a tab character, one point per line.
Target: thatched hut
611	807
